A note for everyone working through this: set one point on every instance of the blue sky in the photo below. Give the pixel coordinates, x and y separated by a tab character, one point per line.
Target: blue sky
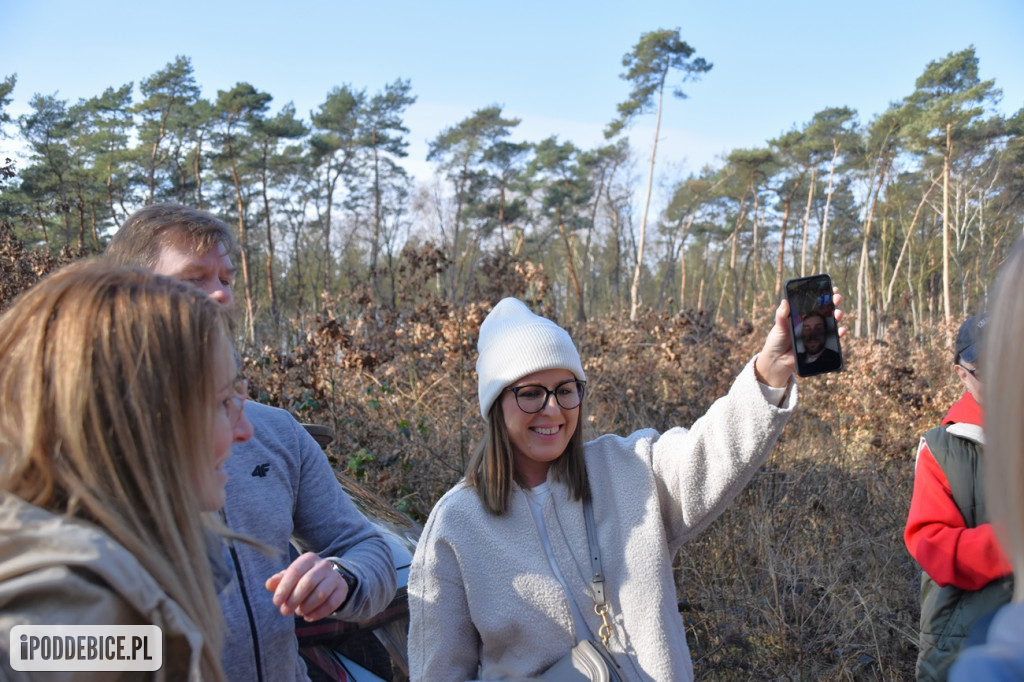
554	64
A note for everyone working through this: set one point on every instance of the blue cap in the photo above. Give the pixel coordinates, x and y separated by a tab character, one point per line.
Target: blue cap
968	339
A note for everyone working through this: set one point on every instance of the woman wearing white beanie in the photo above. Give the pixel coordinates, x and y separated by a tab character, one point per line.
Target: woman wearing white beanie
502	582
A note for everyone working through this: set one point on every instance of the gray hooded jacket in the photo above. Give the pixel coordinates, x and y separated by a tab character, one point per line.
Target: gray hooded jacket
60	571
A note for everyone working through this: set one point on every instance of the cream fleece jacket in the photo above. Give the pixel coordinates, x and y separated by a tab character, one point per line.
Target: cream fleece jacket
484	603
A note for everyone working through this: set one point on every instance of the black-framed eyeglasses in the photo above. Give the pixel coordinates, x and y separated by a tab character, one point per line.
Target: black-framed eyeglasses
234	403
532	398
973	372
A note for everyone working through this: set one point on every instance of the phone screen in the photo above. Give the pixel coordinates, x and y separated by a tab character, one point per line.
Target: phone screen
813	323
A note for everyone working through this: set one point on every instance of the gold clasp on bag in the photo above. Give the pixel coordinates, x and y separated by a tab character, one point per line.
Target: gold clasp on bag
605	632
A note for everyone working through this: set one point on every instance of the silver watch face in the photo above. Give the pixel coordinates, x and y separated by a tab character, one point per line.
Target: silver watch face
345	574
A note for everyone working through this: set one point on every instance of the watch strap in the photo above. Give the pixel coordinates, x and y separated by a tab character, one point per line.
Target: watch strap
350	579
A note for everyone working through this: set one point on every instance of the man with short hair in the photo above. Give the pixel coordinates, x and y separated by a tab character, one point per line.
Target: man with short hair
966	576
816	355
280	485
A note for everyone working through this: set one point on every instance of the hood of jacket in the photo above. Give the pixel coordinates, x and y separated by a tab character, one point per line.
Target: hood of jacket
964	411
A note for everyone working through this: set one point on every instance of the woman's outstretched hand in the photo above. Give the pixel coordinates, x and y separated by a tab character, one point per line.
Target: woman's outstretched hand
777	361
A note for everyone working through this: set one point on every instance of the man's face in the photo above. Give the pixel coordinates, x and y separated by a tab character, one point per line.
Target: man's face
813	334
212	271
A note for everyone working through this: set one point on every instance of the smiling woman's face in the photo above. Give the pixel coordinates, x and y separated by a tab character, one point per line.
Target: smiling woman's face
539	439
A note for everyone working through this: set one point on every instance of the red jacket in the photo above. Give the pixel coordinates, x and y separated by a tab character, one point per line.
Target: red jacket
968	558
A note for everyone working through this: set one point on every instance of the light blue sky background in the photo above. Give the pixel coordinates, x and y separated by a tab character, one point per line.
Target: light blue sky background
553	63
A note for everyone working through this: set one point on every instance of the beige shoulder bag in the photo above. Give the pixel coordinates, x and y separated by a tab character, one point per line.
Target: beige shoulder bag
590	660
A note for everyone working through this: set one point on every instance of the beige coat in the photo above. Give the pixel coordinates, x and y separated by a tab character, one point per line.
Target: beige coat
55	570
482	593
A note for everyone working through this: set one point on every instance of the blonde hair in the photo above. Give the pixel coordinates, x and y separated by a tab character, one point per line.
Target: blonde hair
148	230
492	468
107	387
1003	371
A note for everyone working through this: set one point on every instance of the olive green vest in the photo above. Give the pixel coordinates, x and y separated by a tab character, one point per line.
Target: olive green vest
948	613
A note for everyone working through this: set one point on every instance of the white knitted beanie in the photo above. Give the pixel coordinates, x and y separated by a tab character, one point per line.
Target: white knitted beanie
513	343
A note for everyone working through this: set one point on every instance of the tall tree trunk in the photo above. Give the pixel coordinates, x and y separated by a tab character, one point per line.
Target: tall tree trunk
634	291
243	246
154	153
327	229
299	284
93	228
454	269
782	247
80	205
377	213
197	167
174	156
734	278
946	158
588	288
682	262
613	215
42	224
823	237
757	218
682	278
271	294
703	277
573	278
807	222
863	312
733	274
108	182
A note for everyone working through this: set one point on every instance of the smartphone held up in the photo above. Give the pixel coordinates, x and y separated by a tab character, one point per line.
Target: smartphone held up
813	323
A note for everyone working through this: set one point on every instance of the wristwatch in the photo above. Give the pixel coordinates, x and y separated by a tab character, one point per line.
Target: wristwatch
350	579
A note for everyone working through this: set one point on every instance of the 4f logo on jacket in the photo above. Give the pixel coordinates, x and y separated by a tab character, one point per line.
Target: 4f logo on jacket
261	469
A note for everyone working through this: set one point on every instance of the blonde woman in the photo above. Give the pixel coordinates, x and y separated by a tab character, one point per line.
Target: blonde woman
119	402
1001	657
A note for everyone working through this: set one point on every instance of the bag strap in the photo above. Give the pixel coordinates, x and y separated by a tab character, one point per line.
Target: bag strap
597	578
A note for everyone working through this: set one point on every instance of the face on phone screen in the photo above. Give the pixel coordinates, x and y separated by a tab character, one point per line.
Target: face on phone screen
813	322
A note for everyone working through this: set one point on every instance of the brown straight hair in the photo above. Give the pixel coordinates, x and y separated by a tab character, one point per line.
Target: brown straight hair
108	389
491	469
